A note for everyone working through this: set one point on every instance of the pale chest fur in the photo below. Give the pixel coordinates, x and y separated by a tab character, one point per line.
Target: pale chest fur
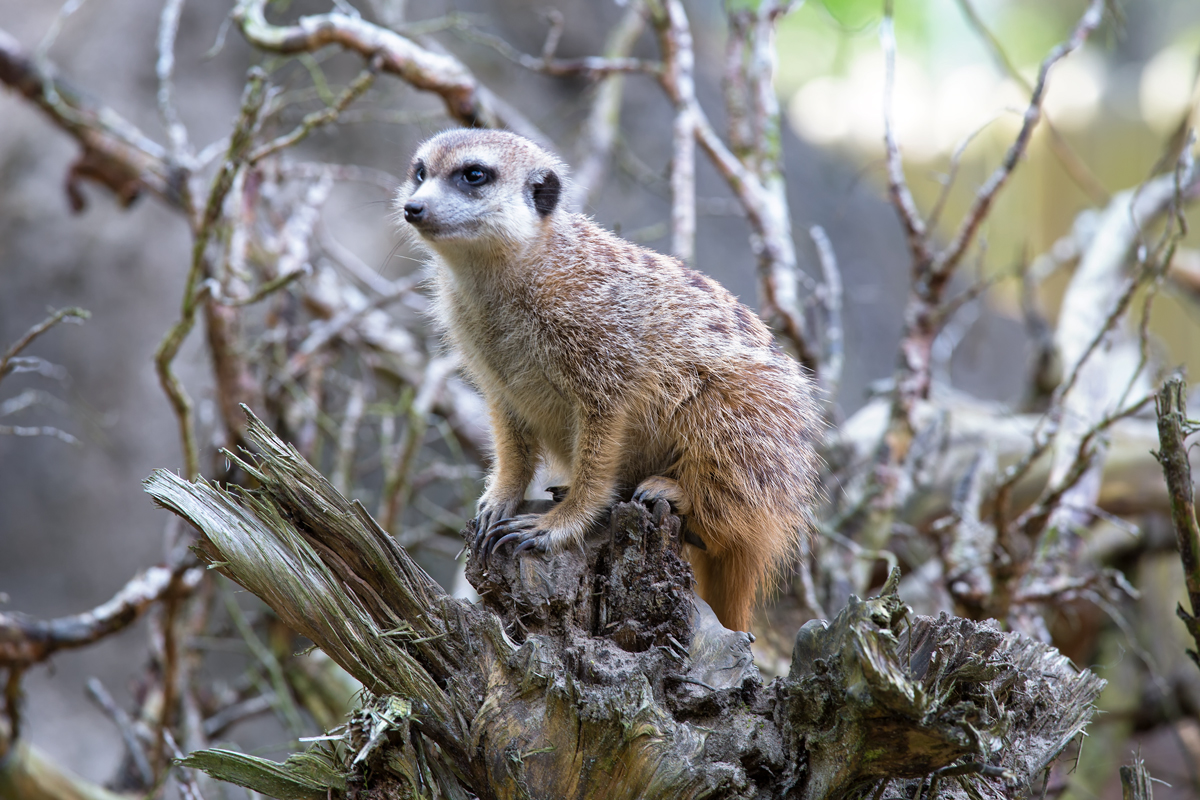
506	352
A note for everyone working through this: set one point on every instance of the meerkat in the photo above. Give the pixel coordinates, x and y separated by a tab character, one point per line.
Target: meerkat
622	367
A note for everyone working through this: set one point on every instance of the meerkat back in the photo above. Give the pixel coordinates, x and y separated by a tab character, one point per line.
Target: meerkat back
630	371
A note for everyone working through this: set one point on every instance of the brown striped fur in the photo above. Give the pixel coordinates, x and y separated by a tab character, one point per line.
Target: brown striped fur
615	364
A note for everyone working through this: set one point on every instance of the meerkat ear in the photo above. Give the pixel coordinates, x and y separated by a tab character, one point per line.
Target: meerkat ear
546	189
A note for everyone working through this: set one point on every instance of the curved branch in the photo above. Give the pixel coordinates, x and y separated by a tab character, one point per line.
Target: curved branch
25	641
115	153
466	100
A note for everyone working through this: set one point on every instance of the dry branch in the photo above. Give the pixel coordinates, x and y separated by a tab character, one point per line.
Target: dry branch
466	100
1091	396
600	129
1173	428
1130	486
7	360
933	268
115	153
25	641
595	672
26	773
677	79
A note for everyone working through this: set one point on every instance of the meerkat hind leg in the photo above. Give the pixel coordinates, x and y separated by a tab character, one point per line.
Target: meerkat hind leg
657	488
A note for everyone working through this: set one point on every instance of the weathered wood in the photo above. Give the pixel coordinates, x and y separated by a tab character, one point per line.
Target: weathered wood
1173	429
597	673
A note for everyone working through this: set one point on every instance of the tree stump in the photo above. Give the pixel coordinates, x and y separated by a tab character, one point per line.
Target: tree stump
596	673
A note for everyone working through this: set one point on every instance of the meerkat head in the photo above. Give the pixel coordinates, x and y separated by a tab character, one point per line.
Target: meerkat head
480	191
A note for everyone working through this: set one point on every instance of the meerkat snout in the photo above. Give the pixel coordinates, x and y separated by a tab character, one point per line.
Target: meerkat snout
414	211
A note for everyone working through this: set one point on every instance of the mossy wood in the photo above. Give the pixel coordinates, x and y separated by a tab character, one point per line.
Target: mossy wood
596	674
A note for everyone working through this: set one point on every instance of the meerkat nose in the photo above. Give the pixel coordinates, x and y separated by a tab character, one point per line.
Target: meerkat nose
414	211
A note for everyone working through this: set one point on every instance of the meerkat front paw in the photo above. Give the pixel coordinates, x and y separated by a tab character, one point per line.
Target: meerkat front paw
493	510
537	532
523	529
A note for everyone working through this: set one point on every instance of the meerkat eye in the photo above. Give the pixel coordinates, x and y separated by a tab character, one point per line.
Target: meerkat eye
419	174
475	175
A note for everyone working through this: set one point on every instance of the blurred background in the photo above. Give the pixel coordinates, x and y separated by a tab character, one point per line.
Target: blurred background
74	523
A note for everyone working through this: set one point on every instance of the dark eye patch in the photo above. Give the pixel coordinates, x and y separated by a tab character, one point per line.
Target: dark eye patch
418	172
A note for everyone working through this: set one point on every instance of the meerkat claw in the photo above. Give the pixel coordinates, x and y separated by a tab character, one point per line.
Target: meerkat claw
490	515
506	530
658	488
536	542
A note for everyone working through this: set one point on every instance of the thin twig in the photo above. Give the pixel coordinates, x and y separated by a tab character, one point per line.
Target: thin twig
343	461
600	129
398	471
69	314
187	780
252	102
168	28
133	745
356	89
948	258
325	332
902	200
590	67
56	25
281	695
832	360
1070	160
947	181
38	430
1173	429
234	713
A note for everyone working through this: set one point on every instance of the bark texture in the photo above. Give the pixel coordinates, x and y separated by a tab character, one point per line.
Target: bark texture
596	672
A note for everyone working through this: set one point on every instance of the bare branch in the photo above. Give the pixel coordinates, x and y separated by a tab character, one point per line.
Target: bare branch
168	28
133	745
832	360
399	467
675	40
420	67
30	398
24	641
1173	428
41	430
356	89
600	129
755	173
343	461
1067	157
325	332
593	67
902	199
115	153
948	259
239	143
70	314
